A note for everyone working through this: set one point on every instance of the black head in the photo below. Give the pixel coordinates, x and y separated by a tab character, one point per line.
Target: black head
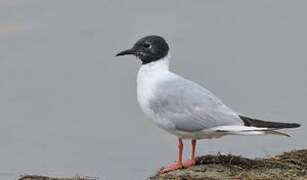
148	49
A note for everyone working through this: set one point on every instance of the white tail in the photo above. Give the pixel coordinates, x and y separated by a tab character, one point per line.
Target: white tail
247	130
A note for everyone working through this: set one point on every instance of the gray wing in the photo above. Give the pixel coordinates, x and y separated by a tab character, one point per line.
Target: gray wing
190	107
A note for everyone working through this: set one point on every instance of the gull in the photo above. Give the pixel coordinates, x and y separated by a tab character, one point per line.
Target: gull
185	108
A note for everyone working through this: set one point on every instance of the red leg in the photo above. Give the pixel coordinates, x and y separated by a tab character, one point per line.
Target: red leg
192	161
178	164
193	148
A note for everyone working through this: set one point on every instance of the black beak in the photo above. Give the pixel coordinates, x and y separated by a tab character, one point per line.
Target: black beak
127	52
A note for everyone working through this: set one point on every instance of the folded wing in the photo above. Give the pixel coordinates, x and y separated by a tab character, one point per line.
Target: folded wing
190	107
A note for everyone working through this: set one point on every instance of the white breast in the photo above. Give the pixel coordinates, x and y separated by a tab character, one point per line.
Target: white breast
148	78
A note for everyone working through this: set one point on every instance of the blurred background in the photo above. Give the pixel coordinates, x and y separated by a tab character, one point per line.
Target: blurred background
68	105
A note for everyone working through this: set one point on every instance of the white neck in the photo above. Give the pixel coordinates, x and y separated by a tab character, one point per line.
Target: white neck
149	76
162	64
148	73
153	71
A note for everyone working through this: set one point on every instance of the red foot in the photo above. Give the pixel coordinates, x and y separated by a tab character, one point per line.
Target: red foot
171	167
189	163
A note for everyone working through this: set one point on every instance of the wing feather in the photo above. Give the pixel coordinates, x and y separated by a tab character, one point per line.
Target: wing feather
190	107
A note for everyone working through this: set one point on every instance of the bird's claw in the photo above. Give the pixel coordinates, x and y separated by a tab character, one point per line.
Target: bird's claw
172	167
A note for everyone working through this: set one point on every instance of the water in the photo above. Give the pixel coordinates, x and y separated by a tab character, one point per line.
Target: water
68	105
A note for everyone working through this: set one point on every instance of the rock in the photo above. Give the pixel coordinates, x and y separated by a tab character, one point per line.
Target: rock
290	165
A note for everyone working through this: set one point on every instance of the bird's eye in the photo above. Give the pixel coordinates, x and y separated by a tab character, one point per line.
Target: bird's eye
146	45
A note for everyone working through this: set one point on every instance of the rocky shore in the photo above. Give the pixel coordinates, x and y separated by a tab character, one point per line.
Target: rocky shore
289	165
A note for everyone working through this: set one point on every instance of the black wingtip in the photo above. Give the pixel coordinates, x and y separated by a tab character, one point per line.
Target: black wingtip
267	124
296	125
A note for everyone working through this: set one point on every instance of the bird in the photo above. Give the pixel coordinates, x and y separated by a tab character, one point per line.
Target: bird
185	108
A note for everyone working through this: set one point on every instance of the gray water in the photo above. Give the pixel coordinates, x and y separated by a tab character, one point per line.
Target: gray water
68	105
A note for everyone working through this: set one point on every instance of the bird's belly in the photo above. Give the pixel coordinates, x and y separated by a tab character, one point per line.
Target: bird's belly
144	102
157	120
